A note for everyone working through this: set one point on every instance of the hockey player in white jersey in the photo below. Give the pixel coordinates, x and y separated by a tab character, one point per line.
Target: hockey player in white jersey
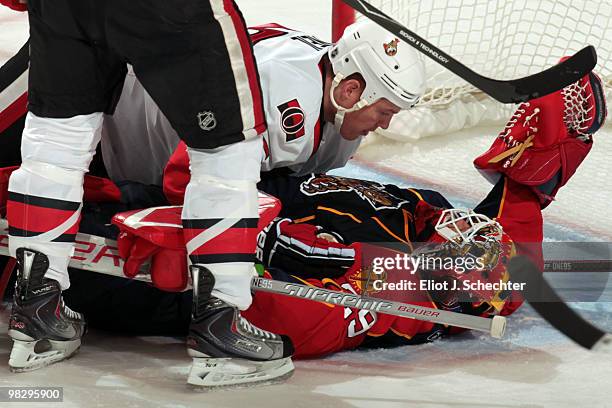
316	92
320	101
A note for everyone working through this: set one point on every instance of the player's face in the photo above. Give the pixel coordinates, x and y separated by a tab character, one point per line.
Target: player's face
368	119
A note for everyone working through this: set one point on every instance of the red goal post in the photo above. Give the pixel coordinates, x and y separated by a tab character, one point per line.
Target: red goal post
342	16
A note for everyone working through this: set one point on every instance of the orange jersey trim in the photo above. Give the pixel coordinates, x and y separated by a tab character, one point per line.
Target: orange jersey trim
305	219
384	227
503	199
331	210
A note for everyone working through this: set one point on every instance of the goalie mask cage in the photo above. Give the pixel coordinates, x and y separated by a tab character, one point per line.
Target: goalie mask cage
499	39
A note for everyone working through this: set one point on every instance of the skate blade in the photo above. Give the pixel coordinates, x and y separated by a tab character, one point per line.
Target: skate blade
25	358
212	374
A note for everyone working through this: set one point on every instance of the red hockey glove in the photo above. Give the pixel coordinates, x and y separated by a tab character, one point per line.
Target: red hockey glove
304	250
548	138
154	234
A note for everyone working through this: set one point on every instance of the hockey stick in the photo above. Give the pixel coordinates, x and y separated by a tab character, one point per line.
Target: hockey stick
578	265
98	254
495	326
555	311
505	91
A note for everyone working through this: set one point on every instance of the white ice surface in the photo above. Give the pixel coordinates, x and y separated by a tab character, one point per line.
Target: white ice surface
533	366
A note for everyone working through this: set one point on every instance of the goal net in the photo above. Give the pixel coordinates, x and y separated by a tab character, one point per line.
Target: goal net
499	39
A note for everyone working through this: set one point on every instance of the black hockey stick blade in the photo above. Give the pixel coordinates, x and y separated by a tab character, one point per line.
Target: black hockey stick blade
505	91
547	303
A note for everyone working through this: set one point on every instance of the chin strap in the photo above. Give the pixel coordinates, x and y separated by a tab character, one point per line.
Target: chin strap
341	111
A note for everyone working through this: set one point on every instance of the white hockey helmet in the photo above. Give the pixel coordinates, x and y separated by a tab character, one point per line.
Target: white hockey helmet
391	68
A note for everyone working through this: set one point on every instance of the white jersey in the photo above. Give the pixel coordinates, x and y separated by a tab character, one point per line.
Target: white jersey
138	140
292	78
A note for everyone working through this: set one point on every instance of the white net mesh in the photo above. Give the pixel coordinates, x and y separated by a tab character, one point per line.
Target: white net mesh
499	39
578	113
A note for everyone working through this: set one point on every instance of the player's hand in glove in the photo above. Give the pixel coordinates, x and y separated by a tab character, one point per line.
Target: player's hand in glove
154	236
303	250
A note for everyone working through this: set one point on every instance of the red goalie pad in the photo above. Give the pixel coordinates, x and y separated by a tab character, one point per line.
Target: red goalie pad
548	138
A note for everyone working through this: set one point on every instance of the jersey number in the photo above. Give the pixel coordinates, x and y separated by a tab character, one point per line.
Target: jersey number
360	321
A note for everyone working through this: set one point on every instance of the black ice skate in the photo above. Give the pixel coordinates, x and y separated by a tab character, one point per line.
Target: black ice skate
43	328
227	350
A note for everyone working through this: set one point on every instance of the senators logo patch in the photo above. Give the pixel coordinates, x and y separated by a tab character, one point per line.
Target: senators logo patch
370	191
292	120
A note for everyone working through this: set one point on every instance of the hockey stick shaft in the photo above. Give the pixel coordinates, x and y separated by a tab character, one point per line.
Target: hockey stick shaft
97	254
578	265
555	311
505	91
495	326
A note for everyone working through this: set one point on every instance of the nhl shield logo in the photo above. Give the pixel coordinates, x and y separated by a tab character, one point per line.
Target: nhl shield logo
391	47
207	120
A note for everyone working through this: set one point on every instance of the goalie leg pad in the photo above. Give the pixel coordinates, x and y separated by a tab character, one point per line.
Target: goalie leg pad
548	138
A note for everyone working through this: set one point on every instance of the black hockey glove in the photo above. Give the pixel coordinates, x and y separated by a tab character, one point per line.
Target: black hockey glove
303	250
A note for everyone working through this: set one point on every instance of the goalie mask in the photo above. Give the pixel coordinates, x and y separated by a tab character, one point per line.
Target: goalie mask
391	68
483	248
471	234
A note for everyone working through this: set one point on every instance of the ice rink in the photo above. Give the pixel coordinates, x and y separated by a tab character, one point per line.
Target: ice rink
533	366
